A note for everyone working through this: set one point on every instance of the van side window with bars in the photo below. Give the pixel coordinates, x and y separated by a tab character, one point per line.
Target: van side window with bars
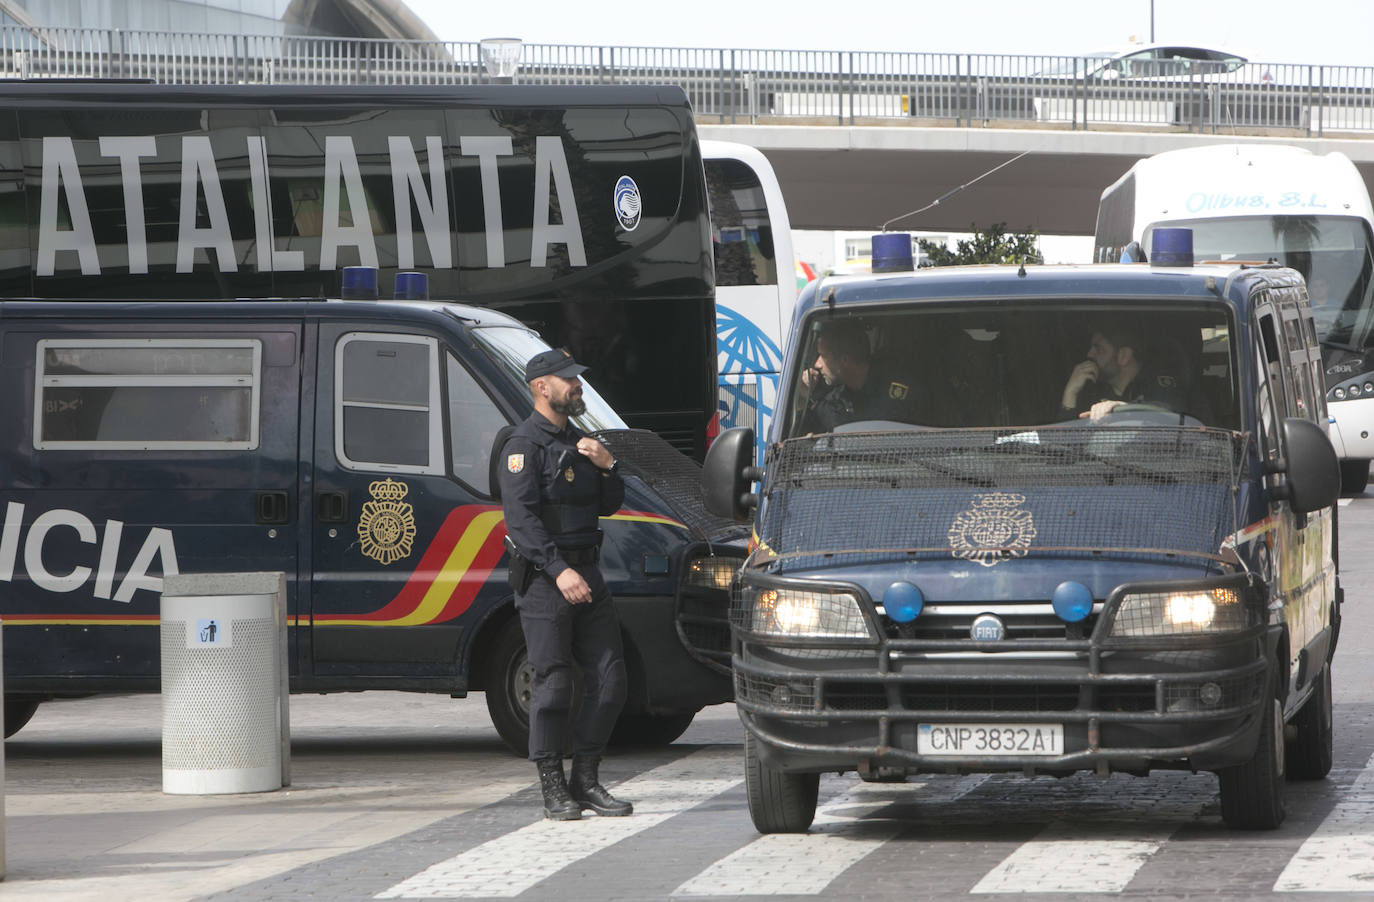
386	413
148	394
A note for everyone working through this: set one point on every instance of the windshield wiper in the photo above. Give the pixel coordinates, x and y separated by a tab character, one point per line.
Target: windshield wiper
1069	454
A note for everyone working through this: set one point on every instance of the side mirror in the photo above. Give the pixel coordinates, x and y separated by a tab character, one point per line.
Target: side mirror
1313	472
727	473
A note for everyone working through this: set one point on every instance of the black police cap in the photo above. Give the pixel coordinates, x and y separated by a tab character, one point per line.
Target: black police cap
554	362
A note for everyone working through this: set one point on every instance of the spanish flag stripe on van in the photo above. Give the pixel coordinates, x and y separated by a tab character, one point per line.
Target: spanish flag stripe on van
457	564
443	569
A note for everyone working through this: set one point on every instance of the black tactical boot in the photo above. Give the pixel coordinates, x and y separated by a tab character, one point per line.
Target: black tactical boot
558	804
586	790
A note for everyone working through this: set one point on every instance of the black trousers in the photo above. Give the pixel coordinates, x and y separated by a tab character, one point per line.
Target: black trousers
557	635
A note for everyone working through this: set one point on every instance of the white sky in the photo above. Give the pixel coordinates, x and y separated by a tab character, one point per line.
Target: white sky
1333	32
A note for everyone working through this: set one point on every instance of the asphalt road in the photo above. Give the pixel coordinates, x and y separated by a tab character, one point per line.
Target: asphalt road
406	796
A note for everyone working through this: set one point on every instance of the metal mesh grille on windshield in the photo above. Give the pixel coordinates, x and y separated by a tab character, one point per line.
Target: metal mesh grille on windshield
670	473
987	495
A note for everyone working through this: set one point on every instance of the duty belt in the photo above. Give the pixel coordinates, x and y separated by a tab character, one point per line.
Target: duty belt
589	555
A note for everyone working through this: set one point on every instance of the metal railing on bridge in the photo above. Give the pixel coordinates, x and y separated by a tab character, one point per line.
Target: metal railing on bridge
837	87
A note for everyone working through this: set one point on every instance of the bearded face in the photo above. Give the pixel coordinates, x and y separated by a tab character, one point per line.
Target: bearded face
565	397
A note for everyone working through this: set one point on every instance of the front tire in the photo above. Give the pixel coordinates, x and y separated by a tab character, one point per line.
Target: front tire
1354	476
509	685
1310	752
778	802
1254	794
650	730
19	710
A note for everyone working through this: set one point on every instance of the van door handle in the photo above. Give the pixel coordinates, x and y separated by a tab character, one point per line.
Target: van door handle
271	508
331	507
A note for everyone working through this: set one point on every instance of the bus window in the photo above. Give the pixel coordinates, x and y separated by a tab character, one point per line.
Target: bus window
755	290
740	228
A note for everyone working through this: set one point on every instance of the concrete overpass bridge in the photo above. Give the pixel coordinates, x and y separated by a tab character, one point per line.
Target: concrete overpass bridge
859	176
857	138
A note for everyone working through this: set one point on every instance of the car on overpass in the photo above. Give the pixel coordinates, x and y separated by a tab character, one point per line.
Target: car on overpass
1148	61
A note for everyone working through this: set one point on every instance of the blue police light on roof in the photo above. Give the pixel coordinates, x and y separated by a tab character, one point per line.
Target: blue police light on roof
1072	601
411	286
359	282
892	252
903	602
1172	247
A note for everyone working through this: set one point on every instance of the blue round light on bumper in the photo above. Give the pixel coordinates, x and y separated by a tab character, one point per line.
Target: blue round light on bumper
903	602
1072	601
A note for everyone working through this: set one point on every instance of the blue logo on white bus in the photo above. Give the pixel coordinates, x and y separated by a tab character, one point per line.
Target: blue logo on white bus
627	203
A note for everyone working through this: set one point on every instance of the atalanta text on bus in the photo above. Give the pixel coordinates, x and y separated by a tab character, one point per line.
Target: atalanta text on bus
555	219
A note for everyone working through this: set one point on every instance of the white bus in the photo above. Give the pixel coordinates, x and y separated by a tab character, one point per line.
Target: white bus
1271	202
756	285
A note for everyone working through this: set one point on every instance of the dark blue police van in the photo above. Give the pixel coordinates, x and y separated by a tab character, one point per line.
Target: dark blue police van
979	570
346	443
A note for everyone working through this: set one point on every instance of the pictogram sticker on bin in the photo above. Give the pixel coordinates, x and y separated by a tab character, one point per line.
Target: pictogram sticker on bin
210	632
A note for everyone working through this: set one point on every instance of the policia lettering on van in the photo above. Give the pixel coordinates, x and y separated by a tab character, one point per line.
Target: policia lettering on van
993	585
346	443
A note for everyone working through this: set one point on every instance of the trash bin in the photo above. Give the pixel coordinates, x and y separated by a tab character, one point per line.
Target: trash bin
225	724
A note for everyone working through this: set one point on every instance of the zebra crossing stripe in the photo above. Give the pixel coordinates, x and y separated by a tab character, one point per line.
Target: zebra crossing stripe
1339	855
510	864
797	864
1062	859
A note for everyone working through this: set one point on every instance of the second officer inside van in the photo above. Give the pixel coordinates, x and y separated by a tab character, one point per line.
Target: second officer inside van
555	482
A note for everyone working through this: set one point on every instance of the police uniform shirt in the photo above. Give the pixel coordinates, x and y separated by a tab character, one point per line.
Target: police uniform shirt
551	494
884	396
1148	387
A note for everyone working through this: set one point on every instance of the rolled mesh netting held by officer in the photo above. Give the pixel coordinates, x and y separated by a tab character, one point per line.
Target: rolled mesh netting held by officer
986	495
673	475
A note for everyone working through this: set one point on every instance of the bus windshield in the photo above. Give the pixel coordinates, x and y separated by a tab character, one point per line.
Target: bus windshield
1333	253
510	347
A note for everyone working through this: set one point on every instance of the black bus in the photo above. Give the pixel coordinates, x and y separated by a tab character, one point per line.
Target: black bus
582	211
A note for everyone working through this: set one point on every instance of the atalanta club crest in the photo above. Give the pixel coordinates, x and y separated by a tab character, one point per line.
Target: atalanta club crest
627	203
993	530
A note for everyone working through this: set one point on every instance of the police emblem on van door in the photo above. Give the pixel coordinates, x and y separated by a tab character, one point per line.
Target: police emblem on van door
387	526
627	203
993	530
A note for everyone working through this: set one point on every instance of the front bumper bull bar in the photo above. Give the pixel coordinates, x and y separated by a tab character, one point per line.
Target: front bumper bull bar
1189	701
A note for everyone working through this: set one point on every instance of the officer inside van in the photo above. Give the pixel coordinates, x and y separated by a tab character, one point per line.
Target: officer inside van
1117	372
845	384
555	482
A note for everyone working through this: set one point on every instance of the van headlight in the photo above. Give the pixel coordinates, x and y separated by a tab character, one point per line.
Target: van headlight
803	613
712	571
1181	613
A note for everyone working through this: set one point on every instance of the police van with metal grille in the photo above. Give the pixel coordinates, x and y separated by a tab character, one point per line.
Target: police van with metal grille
994	584
347	444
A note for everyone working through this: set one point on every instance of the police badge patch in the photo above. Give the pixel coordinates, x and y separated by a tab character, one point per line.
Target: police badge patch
897	391
515	462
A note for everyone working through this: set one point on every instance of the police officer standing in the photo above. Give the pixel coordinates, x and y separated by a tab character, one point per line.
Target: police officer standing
555	482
